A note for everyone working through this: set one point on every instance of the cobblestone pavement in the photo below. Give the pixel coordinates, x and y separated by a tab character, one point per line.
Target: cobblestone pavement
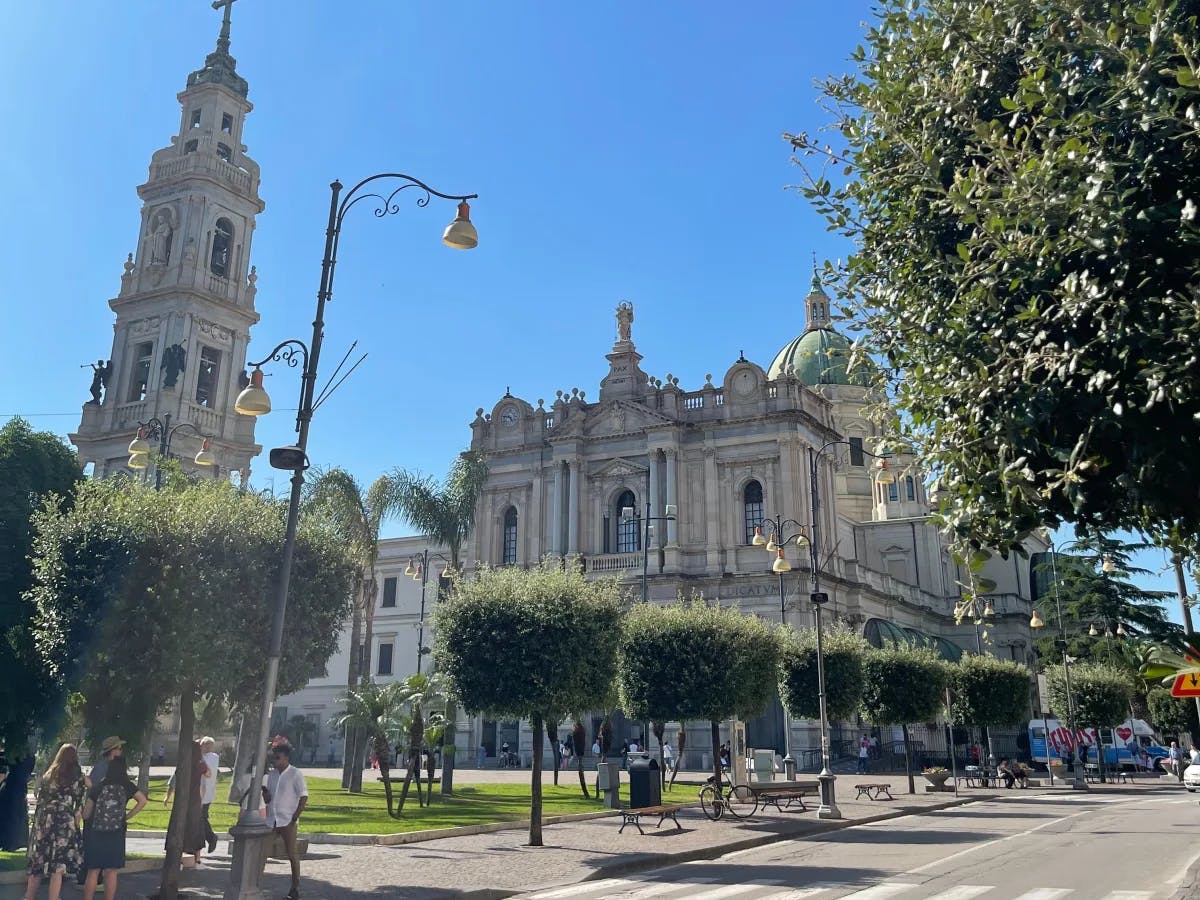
500	864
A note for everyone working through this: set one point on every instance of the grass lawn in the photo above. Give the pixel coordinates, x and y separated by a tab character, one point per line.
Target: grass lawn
330	809
14	861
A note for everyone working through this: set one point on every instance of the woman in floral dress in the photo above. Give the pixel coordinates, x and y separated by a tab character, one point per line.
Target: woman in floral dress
54	839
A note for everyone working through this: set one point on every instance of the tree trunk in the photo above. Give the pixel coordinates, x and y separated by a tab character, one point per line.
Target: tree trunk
168	888
535	787
680	743
555	753
358	758
448	747
912	787
716	750
415	732
660	729
384	755
248	738
352	675
430	769
578	737
143	781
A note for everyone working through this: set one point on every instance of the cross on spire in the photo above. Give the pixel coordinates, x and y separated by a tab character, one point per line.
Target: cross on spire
223	39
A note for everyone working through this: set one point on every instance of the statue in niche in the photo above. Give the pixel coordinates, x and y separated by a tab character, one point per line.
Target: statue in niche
624	320
174	358
160	239
100	372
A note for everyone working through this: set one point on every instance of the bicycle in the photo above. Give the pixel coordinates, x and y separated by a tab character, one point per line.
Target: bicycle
715	799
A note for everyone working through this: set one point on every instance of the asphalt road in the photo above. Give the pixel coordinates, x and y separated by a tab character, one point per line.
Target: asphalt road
1048	847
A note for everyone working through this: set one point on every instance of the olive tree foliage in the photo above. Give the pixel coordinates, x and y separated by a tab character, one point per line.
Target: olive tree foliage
844	651
694	661
1101	694
1021	181
516	643
149	597
988	691
1172	715
903	685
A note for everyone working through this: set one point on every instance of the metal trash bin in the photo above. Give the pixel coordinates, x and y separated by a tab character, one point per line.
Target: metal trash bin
645	783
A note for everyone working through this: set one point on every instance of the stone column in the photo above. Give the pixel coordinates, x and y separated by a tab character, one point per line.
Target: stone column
556	513
712	511
672	498
653	498
574	499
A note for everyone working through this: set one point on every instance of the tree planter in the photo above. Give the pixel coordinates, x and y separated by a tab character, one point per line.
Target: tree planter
937	780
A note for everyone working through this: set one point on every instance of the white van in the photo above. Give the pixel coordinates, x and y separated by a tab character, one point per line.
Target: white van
1131	745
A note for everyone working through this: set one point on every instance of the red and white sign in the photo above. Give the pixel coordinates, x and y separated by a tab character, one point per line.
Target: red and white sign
1186	685
1124	733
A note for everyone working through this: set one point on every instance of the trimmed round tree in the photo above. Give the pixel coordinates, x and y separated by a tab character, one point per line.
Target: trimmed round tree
1100	692
844	652
988	692
694	661
902	685
517	643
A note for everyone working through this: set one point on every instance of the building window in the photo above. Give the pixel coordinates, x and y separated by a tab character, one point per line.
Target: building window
227	123
195	118
389	593
856	452
628	530
222	245
508	555
752	504
206	379
910	487
140	376
893	492
191	146
224	152
384	666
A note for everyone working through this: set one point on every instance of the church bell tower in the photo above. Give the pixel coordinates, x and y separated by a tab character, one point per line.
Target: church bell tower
186	303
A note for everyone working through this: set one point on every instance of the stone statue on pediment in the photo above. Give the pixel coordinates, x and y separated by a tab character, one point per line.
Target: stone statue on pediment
624	320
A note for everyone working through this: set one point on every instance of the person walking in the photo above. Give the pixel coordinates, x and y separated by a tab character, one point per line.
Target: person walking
55	847
1175	757
864	755
107	813
193	829
208	788
286	794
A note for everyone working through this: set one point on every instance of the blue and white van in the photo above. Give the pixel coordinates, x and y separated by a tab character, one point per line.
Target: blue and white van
1131	745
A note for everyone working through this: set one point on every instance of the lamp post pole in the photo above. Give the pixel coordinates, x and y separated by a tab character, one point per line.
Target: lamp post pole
1185	603
251	831
1078	782
420	573
980	610
627	515
162	430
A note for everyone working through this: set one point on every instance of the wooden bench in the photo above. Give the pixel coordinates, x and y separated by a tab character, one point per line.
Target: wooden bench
633	816
873	791
786	797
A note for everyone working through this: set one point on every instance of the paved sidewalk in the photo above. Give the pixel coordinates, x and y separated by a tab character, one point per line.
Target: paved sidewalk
499	864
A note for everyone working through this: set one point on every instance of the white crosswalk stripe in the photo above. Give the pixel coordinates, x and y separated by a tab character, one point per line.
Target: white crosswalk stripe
880	891
795	894
584	887
1045	894
1130	895
963	892
728	891
658	889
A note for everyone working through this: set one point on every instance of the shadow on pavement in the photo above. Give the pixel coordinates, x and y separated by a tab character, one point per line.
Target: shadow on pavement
905	836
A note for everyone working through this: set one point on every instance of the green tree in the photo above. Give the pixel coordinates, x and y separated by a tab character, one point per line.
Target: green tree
524	644
34	467
1019	184
423	695
377	711
357	515
1172	715
903	685
126	579
1101	694
988	692
445	513
844	652
693	661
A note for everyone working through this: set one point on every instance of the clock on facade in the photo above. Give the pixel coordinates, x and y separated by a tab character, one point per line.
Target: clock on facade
744	382
509	416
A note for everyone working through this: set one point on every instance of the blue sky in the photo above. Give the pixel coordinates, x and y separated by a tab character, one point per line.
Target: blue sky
622	151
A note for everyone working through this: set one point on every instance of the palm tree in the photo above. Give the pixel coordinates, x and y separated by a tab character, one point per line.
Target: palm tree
376	711
421	695
357	516
445	513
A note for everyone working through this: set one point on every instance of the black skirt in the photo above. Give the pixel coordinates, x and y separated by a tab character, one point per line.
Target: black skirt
103	849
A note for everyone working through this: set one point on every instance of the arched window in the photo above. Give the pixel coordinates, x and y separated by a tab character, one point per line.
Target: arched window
752	506
910	487
629	529
222	248
508	554
893	494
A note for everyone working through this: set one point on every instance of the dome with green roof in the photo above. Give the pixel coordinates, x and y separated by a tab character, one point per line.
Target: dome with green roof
819	355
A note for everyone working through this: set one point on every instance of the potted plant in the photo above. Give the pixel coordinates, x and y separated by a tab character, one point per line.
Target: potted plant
936	776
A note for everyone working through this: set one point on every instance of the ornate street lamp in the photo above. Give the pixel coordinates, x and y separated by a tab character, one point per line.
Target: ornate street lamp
162	431
251	831
418	570
627	515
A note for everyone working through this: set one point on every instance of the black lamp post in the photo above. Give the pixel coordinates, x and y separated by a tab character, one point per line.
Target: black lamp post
251	831
418	570
162	431
669	515
980	609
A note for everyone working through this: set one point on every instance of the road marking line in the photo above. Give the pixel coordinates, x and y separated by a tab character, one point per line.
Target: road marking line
1130	895
962	892
879	891
732	890
665	887
945	859
1045	894
781	845
584	887
795	894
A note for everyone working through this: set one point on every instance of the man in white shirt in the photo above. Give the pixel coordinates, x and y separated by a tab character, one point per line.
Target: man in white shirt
286	795
208	787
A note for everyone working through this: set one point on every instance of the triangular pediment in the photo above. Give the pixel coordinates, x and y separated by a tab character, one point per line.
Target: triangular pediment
622	417
619	468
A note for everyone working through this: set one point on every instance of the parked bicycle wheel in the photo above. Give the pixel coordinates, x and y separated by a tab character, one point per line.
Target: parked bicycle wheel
742	801
711	802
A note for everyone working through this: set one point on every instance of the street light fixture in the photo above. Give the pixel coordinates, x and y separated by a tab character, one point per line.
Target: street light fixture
251	831
418	570
670	513
162	431
1036	621
980	610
